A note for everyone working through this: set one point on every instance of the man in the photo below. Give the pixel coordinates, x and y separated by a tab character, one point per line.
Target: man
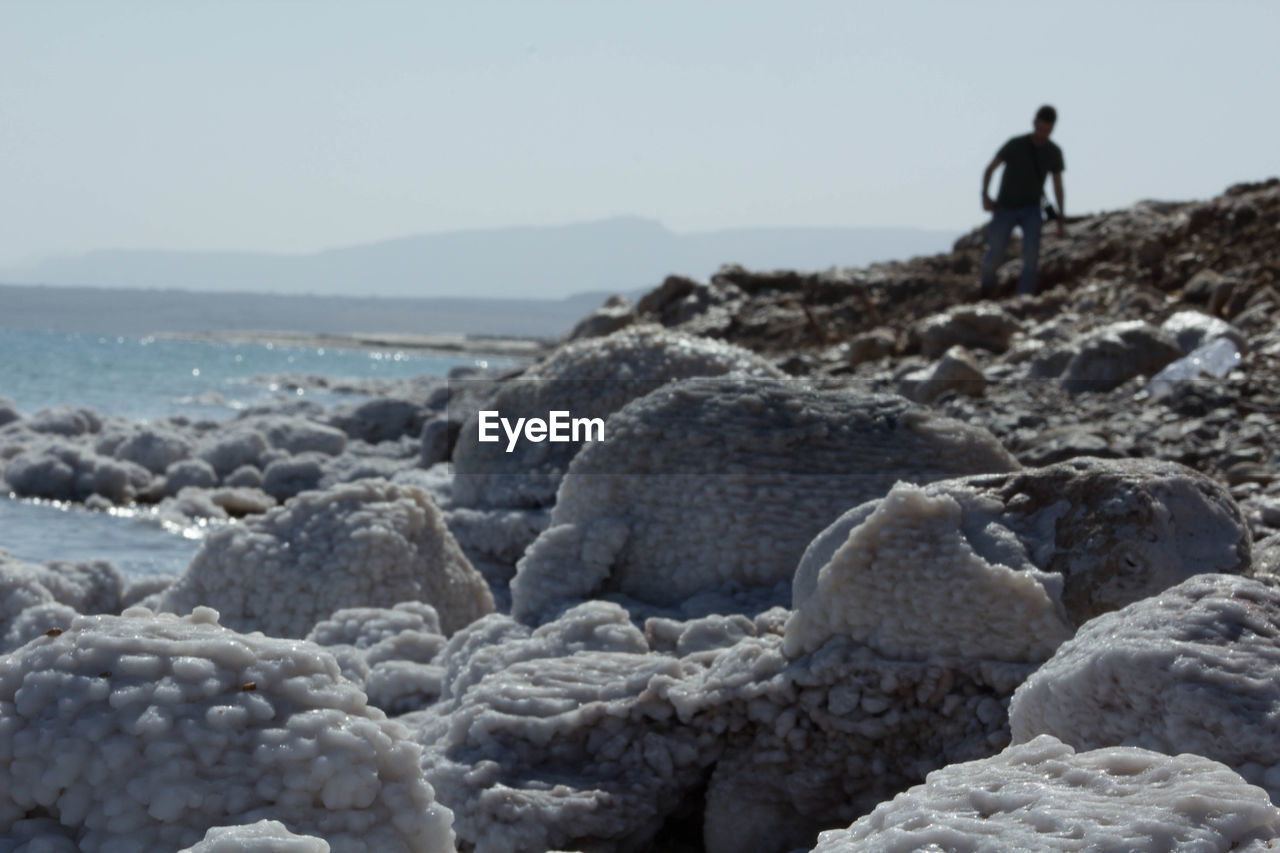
1026	159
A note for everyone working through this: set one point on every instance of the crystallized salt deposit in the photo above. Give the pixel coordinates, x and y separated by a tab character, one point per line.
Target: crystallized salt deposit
909	583
707	482
823	738
1005	566
369	543
585	734
37	598
140	732
1191	670
388	651
588	378
554	738
1044	796
265	836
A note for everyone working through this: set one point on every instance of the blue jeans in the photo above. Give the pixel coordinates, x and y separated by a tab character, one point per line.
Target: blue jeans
998	232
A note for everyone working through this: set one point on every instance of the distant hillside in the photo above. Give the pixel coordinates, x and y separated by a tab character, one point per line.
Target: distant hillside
551	262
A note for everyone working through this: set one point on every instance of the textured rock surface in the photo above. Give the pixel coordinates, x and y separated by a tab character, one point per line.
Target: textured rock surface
1108	356
713	481
1189	671
910	582
957	371
145	731
370	543
553	738
264	836
1007	565
589	378
984	326
1044	796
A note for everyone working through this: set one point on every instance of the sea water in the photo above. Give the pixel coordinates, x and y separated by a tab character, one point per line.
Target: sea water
144	378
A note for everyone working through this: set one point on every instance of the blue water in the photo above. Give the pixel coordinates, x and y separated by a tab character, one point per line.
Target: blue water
144	378
37	531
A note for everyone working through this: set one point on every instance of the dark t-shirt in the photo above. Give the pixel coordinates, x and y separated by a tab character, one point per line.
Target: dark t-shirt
1025	167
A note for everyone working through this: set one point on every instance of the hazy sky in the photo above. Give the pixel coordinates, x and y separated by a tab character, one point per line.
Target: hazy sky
295	126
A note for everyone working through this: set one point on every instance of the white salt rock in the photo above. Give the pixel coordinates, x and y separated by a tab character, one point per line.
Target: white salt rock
1192	669
369	543
1044	796
141	732
587	378
1005	566
265	836
909	583
708	482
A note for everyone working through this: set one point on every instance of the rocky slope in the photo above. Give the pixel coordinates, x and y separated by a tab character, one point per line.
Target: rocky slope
893	327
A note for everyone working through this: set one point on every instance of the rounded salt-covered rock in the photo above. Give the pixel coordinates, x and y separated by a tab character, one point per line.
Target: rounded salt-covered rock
1193	329
61	470
1108	356
8	411
381	419
292	475
1045	796
299	435
1005	566
153	447
364	544
141	732
388	650
226	450
244	477
265	836
559	738
189	473
983	326
1190	670
69	421
590	378
708	482
909	582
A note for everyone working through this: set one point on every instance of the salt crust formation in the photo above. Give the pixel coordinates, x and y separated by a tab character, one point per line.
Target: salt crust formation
591	378
1005	566
585	733
268	453
1045	796
711	481
140	732
38	598
370	543
913	546
1191	670
265	836
387	651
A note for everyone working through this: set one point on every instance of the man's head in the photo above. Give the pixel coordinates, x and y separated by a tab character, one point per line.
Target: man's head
1046	116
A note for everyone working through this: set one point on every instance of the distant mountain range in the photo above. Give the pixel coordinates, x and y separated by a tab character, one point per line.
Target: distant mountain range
543	262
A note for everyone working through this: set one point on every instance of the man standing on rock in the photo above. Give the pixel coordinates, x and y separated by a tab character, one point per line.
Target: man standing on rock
1027	159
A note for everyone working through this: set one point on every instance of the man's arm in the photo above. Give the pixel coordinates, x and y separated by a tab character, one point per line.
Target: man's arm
987	203
1057	194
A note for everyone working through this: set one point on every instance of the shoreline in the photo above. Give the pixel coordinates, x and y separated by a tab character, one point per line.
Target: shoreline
445	343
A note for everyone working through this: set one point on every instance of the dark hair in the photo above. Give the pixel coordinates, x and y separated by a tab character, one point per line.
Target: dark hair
1047	113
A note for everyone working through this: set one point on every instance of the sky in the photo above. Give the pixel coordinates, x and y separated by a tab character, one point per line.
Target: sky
291	126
